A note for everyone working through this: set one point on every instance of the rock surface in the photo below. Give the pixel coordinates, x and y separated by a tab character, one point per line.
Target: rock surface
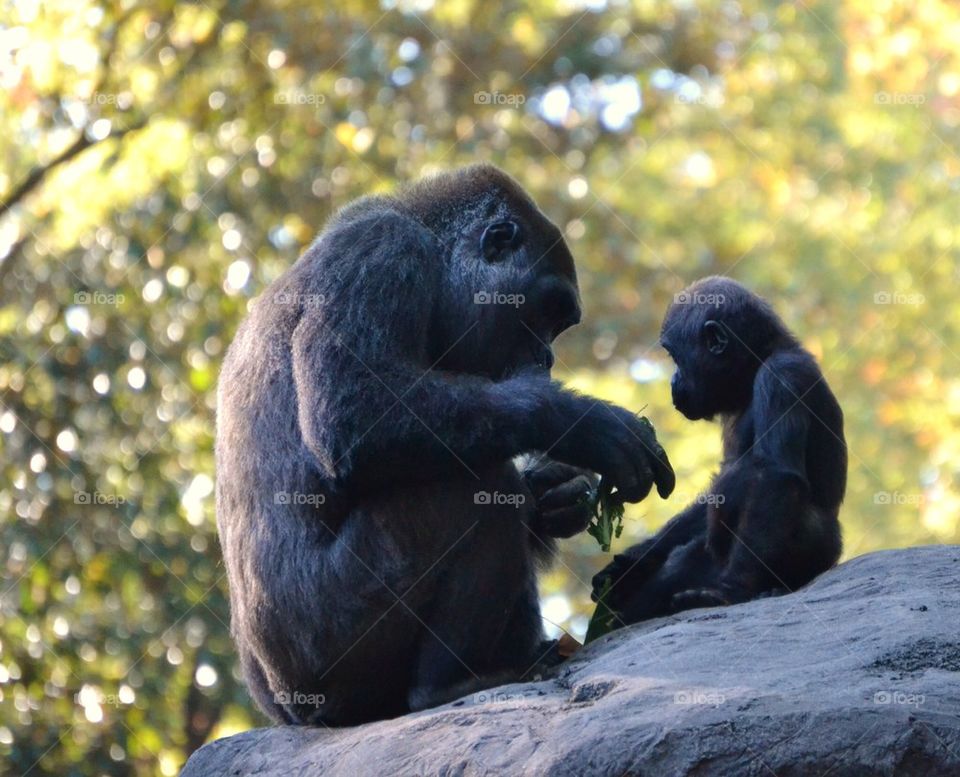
857	674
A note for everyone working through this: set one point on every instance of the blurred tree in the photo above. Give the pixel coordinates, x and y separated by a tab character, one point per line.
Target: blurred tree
166	160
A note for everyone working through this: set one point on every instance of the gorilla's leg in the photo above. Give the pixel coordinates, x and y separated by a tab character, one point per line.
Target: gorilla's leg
777	566
483	626
776	536
756	537
259	689
688	566
368	589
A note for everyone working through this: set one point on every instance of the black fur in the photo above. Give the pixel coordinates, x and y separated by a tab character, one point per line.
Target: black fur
369	388
769	522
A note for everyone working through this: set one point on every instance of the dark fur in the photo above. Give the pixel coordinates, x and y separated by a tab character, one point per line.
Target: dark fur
768	524
367	376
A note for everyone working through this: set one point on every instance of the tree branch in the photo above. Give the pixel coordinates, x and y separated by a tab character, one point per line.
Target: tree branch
39	173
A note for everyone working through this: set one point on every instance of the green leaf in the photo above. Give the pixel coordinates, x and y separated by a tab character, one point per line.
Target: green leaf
604	620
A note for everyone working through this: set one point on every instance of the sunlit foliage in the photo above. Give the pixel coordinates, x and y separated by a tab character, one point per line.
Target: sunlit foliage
164	161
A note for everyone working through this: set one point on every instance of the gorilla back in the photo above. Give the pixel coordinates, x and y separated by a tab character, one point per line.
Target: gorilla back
379	542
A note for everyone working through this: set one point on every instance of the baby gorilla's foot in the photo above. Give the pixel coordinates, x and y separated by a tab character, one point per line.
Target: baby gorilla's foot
700	597
772	592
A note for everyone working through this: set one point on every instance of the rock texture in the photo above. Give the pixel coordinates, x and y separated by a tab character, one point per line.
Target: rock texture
857	674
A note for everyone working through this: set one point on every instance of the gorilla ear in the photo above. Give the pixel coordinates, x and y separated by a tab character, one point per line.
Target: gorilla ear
716	336
498	238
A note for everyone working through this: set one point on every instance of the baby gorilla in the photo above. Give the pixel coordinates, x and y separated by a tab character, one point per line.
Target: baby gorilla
768	523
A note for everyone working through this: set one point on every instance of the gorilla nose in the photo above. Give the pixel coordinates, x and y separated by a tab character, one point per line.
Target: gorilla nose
554	304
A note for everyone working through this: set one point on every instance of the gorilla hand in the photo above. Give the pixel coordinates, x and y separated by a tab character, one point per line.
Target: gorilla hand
620	446
623	576
563	496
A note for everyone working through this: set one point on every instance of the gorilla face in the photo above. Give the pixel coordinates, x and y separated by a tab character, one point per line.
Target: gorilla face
513	290
686	396
682	395
712	374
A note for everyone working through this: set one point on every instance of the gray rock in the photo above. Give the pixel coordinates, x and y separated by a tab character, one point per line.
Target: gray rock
857	674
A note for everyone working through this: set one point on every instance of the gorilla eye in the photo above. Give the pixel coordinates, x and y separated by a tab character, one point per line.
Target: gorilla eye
498	237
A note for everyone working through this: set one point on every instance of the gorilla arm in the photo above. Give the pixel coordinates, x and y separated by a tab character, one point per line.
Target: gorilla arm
771	496
372	410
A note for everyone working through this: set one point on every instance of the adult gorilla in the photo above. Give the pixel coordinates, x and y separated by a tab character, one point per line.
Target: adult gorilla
380	541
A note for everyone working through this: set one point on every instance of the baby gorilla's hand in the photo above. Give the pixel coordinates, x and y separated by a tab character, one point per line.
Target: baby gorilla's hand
563	494
624	576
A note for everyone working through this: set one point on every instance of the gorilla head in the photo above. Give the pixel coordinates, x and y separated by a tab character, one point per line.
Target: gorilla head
510	286
718	333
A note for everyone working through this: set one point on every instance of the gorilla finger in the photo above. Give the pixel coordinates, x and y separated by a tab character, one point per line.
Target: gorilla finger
627	490
607	575
566	521
641	481
610	576
566	471
548	473
618	476
639	492
646	475
663	473
548	477
656	460
599	582
577	491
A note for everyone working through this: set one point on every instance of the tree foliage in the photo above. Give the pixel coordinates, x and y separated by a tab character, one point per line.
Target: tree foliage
166	160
